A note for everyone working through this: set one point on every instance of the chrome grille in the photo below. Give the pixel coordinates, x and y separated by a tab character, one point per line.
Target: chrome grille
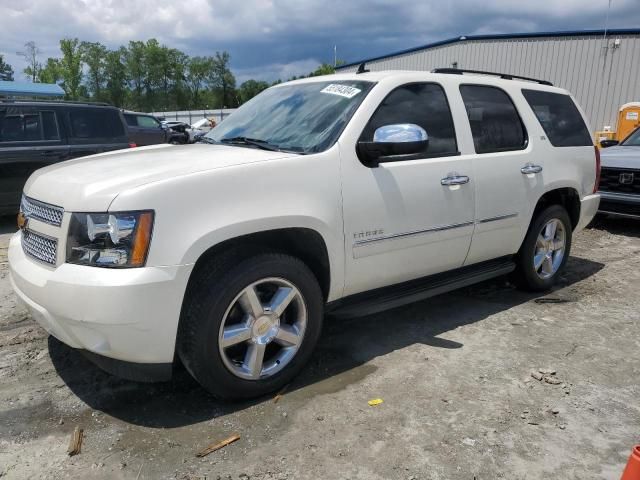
44	212
40	247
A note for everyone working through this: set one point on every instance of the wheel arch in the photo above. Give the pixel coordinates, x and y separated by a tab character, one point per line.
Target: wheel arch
304	243
567	197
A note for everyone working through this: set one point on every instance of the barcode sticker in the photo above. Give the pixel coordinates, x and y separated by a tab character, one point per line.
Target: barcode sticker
341	90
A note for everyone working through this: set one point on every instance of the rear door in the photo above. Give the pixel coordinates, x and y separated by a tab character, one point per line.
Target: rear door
31	137
508	181
94	130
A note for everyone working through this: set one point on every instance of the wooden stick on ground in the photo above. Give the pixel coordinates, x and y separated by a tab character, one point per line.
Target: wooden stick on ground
218	446
75	445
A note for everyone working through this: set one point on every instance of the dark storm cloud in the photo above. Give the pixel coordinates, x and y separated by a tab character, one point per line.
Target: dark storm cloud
279	38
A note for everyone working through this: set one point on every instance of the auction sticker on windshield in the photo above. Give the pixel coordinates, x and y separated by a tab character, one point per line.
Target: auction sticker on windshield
342	90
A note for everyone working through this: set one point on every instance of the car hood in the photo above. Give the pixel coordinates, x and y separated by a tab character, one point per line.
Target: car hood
92	183
620	157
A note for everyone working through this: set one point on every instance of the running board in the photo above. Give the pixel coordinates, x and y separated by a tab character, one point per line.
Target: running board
380	299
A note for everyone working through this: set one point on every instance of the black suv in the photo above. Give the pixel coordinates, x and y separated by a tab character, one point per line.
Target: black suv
36	134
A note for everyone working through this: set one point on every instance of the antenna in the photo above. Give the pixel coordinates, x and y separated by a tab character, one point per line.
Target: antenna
362	69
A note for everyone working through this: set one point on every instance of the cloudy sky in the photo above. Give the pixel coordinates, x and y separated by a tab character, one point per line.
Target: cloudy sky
270	39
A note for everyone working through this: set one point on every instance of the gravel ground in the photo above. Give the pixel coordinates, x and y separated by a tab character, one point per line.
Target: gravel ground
454	373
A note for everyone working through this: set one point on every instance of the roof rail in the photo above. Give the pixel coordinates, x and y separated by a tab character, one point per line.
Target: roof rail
74	102
506	76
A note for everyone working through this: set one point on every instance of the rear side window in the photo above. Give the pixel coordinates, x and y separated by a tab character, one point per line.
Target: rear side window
495	123
559	118
92	124
131	120
27	125
424	104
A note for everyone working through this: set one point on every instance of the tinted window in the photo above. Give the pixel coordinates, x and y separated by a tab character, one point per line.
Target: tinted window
559	118
632	140
95	123
147	122
495	123
424	104
27	125
131	120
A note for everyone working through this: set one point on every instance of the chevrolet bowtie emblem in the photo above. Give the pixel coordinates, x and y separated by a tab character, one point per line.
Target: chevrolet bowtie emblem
22	221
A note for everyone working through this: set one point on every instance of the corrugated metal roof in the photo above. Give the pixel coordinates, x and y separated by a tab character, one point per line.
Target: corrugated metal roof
30	89
500	36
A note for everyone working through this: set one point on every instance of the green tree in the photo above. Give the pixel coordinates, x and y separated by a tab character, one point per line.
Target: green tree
134	61
223	80
6	71
116	77
250	89
30	55
50	72
71	67
199	70
324	69
94	55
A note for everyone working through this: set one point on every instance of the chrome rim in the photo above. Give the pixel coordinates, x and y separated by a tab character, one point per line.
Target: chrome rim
262	329
550	249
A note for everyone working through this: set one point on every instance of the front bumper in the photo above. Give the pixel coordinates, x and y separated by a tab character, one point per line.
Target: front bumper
620	204
129	315
588	209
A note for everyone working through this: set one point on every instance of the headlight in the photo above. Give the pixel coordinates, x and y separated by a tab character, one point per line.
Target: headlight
110	239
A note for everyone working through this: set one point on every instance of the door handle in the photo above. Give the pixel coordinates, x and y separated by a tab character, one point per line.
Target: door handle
530	168
454	179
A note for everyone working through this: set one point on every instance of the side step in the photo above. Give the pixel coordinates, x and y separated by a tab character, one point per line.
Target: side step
380	299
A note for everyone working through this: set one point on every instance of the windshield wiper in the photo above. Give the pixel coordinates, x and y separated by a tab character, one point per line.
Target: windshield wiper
254	142
206	140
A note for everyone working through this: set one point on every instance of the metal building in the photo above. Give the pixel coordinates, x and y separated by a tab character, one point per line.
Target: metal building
602	69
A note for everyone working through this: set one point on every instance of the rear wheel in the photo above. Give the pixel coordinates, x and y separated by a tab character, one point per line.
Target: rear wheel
545	250
250	325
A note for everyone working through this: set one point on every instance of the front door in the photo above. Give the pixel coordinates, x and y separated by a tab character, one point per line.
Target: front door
412	217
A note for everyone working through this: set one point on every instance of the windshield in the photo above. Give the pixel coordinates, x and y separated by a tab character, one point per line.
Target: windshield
301	118
633	140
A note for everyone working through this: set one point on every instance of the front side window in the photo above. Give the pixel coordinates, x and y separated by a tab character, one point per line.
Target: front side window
27	125
147	122
495	123
559	117
422	104
300	118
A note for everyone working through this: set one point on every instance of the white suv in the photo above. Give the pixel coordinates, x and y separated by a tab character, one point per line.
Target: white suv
345	194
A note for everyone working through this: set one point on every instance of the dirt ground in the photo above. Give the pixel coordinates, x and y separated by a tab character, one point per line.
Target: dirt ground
454	373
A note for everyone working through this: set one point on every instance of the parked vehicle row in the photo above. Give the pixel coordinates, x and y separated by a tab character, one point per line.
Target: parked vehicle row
347	194
37	134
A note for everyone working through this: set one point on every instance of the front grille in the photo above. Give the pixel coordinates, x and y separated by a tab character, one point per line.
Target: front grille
44	249
621	180
44	212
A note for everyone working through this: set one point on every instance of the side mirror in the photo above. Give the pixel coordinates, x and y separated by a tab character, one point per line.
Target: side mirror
608	143
392	143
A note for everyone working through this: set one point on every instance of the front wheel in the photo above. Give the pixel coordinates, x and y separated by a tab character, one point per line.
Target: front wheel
545	250
250	325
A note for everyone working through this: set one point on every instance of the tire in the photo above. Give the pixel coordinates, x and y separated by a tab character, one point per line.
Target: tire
217	298
527	276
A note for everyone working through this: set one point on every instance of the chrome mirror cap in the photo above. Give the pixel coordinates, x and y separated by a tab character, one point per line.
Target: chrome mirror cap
400	133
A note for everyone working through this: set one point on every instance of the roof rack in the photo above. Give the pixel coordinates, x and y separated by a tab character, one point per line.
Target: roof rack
74	102
506	76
